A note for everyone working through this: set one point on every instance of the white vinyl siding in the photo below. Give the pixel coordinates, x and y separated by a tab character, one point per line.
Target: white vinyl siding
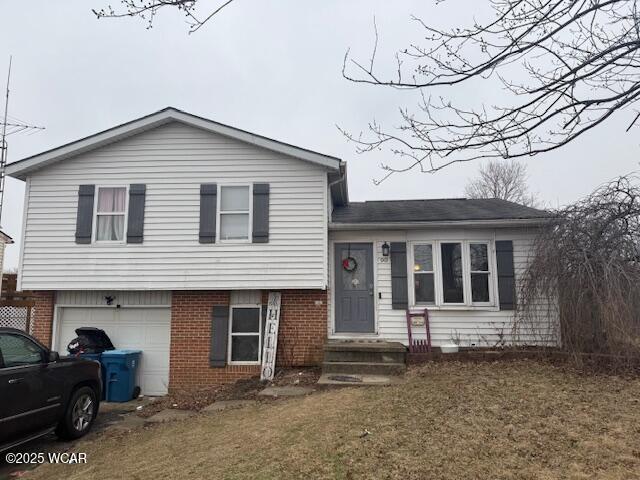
97	297
479	326
172	161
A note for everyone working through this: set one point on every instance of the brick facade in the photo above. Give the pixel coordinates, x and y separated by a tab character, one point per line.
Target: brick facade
303	329
42	319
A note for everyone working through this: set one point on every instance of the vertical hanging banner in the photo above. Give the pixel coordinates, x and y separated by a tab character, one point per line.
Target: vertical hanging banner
270	342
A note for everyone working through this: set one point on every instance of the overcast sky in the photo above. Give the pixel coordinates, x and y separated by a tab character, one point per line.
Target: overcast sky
273	68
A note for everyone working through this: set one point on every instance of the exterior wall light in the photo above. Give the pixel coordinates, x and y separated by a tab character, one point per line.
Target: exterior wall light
385	249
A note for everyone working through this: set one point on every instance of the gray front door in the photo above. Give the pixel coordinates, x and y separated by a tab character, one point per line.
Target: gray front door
354	288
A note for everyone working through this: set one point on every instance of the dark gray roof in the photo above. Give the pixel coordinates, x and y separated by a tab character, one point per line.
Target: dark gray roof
435	210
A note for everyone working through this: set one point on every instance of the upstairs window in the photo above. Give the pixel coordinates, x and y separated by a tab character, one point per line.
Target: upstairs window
110	214
234	212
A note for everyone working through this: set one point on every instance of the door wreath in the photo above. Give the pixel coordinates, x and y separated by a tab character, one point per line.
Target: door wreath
349	264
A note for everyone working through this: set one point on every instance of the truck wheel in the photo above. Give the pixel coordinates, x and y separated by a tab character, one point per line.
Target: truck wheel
79	414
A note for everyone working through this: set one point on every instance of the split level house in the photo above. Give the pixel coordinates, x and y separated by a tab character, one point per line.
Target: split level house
170	231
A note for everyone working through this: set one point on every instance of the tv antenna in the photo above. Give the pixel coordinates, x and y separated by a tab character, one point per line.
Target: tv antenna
10	126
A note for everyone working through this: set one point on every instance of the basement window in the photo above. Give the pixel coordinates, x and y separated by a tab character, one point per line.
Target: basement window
245	334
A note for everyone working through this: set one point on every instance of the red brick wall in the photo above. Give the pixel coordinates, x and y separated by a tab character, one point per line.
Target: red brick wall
303	329
42	318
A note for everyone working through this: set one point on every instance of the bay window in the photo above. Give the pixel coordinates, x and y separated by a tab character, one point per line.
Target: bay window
452	273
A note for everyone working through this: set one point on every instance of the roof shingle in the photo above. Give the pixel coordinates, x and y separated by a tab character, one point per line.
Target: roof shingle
434	210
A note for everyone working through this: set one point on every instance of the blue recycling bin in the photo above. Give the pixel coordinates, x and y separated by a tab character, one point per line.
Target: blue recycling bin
89	344
121	368
96	357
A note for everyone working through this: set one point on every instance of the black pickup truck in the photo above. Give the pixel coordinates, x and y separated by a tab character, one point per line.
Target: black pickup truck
41	392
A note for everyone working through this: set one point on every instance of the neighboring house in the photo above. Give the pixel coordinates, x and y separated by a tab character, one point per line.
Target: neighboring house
170	231
4	240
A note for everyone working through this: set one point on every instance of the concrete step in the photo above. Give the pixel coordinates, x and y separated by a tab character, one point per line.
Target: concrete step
363	345
364	356
359	380
364	368
364	351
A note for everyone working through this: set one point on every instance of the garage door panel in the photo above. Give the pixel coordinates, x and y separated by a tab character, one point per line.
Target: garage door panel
146	329
131	334
156	336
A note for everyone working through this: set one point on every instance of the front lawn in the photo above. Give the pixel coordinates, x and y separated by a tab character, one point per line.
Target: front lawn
519	420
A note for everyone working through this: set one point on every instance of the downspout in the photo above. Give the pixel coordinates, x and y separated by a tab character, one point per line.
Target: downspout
343	173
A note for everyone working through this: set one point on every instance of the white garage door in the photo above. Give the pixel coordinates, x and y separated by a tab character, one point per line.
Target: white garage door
143	328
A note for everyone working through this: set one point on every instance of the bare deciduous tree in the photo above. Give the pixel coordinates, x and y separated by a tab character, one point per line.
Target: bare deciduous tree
506	180
586	273
147	10
580	59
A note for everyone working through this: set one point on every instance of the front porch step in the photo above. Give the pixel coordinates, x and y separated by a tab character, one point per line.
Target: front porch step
364	351
364	357
364	368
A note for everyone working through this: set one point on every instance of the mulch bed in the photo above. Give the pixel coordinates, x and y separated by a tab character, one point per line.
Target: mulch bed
247	389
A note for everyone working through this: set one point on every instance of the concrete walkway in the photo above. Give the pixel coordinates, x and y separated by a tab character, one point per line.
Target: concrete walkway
226	404
361	380
286	391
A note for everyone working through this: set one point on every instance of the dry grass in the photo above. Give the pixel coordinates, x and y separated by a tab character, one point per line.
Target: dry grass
512	420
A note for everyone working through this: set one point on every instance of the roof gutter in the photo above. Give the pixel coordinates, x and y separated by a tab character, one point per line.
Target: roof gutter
514	222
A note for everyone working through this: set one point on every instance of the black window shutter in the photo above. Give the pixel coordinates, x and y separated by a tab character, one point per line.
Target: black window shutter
208	205
399	296
135	220
506	276
84	220
260	213
219	336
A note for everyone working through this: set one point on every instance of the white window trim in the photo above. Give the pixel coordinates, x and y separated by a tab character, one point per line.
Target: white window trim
94	236
491	273
466	276
432	271
219	213
465	287
244	334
